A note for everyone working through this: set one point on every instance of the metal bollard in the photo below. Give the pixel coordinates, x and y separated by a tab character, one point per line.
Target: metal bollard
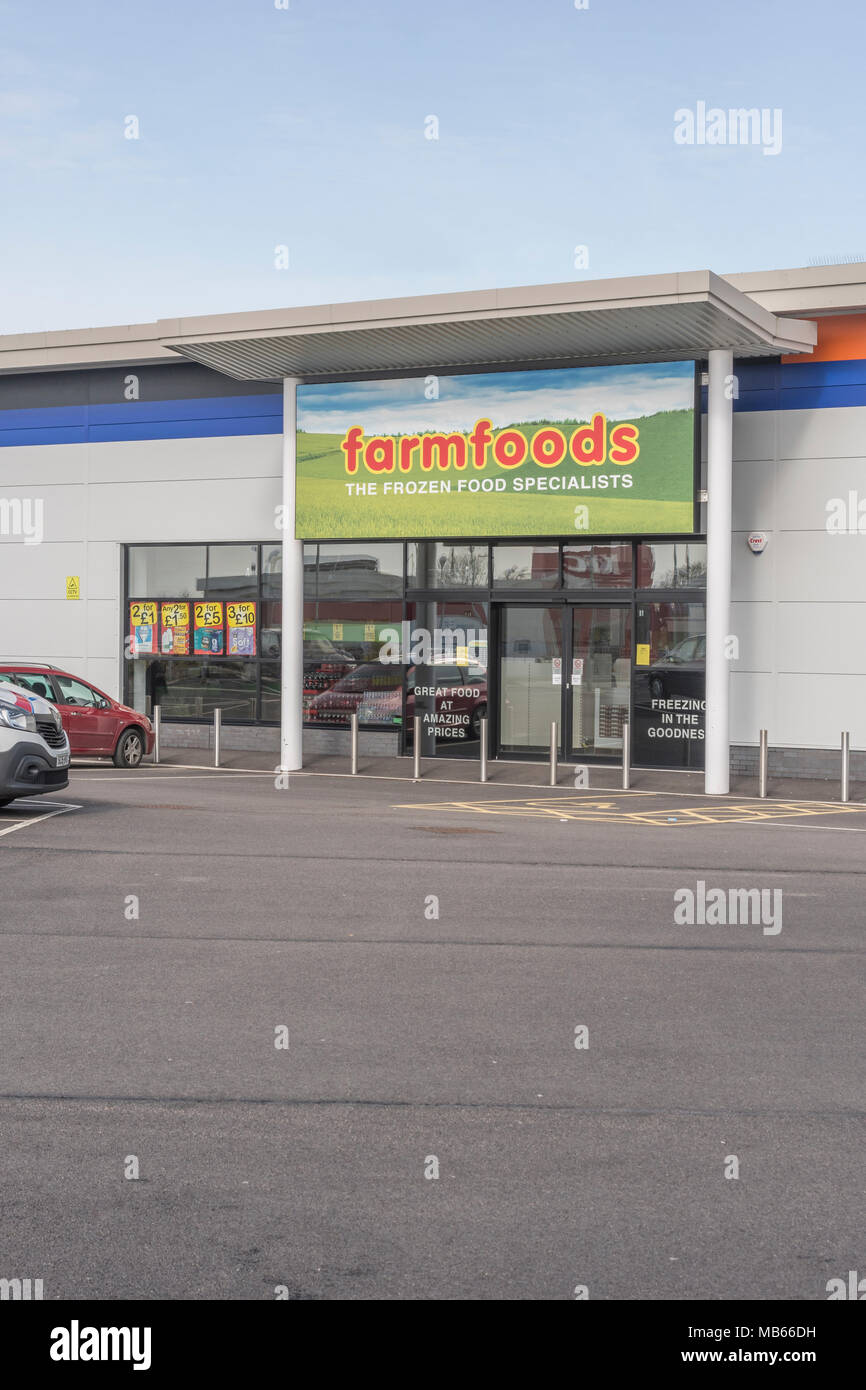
846	761
354	724
157	723
483	756
416	768
554	746
217	731
763	763
626	756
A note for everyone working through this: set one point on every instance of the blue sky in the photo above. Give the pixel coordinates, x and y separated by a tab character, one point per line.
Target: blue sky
305	127
504	398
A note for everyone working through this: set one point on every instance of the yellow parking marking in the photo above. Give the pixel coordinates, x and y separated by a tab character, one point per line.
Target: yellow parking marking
614	813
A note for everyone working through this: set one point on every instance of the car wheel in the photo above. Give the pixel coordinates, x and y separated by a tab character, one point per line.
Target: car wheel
657	689
479	713
4	800
130	749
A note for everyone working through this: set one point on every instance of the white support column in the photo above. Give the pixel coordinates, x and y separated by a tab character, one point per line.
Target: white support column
717	776
292	645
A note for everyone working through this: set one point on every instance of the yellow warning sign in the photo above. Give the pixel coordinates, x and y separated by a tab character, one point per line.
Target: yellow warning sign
73	586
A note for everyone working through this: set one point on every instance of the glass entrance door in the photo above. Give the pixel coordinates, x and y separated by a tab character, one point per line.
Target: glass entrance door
598	681
570	664
530	676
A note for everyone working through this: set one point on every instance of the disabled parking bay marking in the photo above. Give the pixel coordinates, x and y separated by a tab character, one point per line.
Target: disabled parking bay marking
613	810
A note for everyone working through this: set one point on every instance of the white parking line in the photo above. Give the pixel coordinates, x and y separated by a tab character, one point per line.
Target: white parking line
790	825
178	777
60	809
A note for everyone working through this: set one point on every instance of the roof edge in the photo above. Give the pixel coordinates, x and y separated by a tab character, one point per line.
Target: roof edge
166	340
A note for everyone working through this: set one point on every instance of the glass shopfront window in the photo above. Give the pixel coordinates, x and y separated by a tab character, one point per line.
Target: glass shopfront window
353	614
271	616
352	663
605	566
232	571
432	565
669	684
352	568
526	566
204	624
446	678
194	689
195	629
167	571
673	565
271	696
600	676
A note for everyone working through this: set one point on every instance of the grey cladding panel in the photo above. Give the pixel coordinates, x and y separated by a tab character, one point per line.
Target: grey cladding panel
105	386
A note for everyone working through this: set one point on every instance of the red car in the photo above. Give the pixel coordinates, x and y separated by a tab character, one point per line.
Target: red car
97	726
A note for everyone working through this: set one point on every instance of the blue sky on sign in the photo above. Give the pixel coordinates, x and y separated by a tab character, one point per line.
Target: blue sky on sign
306	128
504	398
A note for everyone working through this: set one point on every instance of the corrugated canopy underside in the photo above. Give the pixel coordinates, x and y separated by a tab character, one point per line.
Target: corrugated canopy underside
633	333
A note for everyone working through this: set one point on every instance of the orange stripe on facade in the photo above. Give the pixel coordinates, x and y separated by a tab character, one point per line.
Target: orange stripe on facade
840	339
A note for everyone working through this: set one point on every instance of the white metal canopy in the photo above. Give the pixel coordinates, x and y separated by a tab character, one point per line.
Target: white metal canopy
634	319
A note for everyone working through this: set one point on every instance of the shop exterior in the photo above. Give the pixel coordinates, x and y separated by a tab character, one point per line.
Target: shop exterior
525	506
525	634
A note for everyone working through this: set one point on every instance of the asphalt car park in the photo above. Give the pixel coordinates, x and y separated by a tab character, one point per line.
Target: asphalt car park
428	953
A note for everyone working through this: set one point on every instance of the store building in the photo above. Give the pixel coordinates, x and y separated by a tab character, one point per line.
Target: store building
584	504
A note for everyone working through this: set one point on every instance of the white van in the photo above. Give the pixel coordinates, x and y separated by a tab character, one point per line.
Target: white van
34	749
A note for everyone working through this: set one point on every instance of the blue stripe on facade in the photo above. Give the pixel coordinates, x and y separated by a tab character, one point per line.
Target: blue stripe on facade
202	408
821	397
756	375
52	417
9	438
202	418
796	398
822	373
762	386
797	385
186	429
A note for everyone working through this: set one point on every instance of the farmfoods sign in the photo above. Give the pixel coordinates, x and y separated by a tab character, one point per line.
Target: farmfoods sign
603	450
